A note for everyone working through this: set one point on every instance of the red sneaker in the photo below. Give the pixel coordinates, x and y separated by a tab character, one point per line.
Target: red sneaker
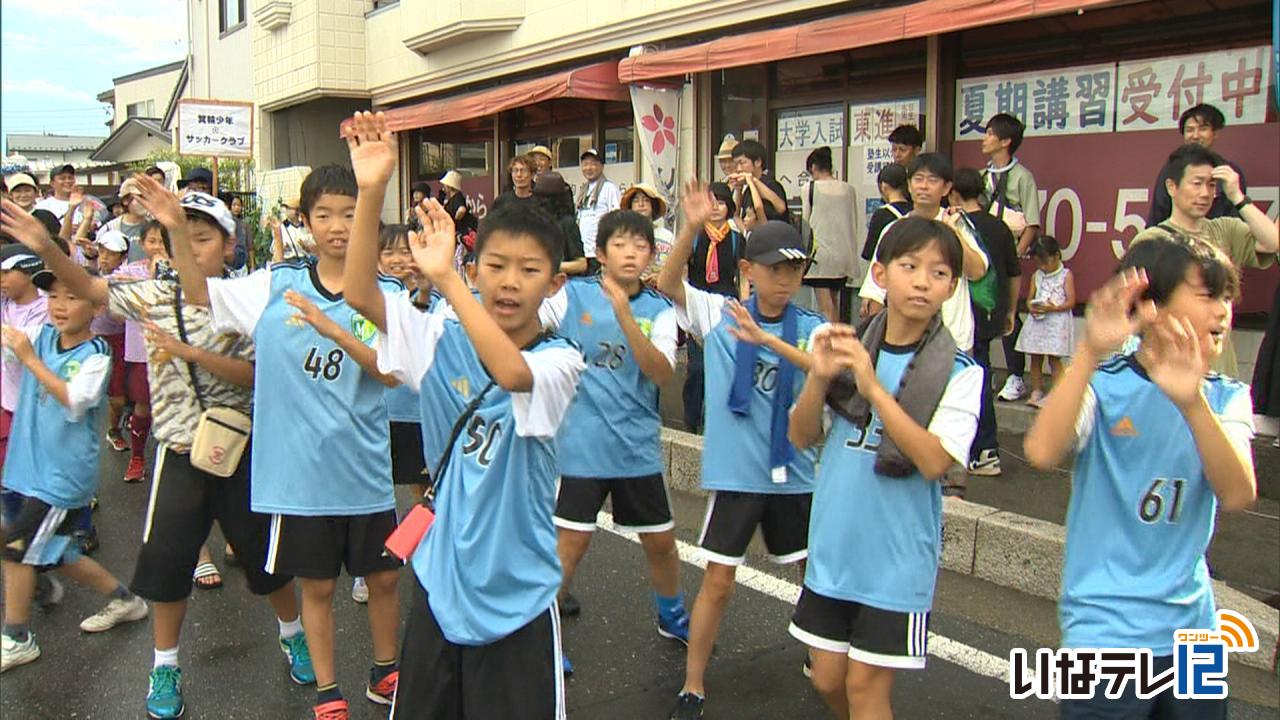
332	710
383	692
118	443
133	473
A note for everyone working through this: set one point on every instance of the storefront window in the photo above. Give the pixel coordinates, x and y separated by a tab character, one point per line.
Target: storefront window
619	145
739	98
437	158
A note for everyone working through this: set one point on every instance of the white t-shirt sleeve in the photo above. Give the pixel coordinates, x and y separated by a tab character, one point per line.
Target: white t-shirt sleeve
611	196
664	334
408	346
1087	418
238	303
1237	421
955	422
870	290
551	312
539	412
702	311
86	388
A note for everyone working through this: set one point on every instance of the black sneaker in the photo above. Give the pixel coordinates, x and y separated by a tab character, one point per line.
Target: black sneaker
87	540
688	707
569	606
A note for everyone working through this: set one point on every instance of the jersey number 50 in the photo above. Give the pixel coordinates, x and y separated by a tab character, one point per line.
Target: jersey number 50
328	366
481	437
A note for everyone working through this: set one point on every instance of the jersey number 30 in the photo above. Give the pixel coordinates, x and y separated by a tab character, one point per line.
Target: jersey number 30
327	366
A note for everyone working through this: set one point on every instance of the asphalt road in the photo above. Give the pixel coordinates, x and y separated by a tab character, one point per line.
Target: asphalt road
624	669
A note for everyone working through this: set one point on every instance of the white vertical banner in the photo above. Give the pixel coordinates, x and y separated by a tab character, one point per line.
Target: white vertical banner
657	113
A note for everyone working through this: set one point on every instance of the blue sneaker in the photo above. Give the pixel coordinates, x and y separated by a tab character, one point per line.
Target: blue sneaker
164	698
299	655
566	666
673	623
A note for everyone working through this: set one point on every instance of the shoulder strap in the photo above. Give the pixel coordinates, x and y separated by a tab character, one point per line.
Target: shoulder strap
895	211
811	184
182	335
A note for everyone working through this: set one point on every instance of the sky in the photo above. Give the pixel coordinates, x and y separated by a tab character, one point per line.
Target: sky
49	85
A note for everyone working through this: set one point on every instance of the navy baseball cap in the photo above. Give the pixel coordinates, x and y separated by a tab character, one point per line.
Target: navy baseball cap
775	242
18	257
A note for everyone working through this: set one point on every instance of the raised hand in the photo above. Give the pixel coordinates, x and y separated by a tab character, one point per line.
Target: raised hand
17	341
827	362
1178	364
373	149
76	197
311	315
696	202
433	248
1230	180
162	204
855	357
745	327
1115	312
27	230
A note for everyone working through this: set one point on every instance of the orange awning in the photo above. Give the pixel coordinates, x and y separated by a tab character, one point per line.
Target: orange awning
593	82
842	32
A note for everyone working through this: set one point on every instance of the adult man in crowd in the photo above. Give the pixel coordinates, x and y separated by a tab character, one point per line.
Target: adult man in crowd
759	197
62	180
1200	125
541	155
598	196
199	179
905	143
132	221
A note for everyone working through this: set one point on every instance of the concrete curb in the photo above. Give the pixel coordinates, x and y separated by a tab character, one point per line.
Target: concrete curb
1004	548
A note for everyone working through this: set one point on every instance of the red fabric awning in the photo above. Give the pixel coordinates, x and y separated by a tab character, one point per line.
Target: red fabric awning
843	32
593	82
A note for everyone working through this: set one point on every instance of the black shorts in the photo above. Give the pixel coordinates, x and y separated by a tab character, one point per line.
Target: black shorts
407	464
36	533
1164	706
515	678
828	283
884	638
317	547
732	518
184	503
640	504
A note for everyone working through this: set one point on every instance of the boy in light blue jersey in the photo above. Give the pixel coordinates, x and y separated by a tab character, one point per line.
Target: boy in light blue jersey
483	637
320	459
1160	443
906	407
755	365
610	443
52	462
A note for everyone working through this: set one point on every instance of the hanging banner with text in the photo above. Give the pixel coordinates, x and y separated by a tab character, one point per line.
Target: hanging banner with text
800	132
1067	101
1154	93
215	128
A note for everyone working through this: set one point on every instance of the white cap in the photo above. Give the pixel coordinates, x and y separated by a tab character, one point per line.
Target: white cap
207	204
113	240
452	179
18	179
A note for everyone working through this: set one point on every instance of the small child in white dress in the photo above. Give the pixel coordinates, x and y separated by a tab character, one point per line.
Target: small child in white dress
1048	332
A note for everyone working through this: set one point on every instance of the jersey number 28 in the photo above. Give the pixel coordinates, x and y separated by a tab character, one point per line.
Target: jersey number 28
327	366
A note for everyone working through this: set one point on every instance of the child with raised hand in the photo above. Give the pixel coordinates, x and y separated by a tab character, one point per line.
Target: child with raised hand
51	465
483	633
1047	334
321	465
755	367
906	407
22	304
210	368
629	332
1160	443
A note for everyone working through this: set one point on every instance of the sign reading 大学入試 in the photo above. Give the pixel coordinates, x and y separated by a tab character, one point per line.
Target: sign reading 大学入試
1133	95
215	128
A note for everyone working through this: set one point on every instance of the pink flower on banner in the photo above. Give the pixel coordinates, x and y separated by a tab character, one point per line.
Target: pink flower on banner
663	128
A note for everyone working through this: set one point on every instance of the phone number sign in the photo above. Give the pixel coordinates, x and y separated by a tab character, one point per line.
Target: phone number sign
215	128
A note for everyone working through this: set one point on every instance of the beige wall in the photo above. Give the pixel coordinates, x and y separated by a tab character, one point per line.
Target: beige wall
221	67
156	88
321	51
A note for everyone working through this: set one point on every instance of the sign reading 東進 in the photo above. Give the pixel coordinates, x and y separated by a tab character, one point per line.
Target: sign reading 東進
1066	101
1154	93
215	128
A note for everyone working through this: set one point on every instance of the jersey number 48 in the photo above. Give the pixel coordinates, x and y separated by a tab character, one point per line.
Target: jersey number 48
319	365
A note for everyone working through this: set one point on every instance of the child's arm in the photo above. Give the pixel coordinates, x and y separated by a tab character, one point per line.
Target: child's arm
165	207
364	355
373	158
433	250
1069	303
804	429
1108	325
1178	369
653	362
233	370
747	330
277	239
924	449
31	232
77	395
695	202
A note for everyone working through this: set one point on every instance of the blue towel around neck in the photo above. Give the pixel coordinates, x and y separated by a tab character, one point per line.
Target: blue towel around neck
781	451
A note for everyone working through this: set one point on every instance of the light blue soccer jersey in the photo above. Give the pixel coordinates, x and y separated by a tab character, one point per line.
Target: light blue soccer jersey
613	426
877	540
53	449
1141	513
489	562
320	427
735	453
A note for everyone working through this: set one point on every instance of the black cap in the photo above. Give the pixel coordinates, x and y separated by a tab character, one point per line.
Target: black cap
197	174
43	278
775	242
68	168
18	257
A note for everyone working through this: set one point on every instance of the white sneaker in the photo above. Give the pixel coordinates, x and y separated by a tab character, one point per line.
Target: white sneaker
14	653
117	611
1014	388
1037	399
359	591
